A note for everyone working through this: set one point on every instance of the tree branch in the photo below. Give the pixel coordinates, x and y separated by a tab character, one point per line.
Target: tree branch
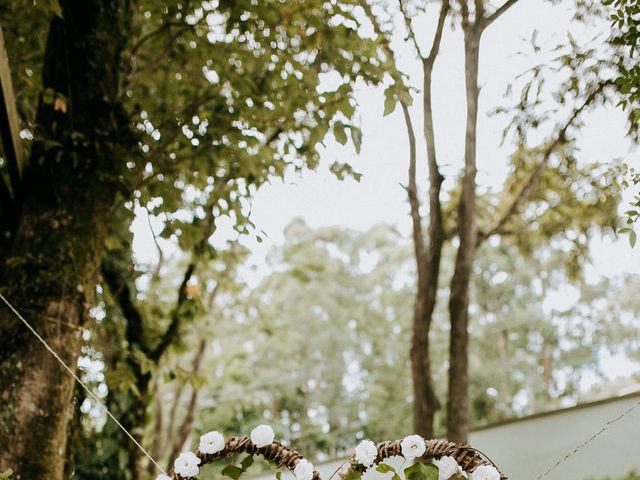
412	193
123	295
187	422
437	38
410	33
156	273
464	14
532	180
176	314
503	8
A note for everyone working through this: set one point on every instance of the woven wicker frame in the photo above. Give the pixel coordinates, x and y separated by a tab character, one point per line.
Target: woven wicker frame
287	458
275	453
467	457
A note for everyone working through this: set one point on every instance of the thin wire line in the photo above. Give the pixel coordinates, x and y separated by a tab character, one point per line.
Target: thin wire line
73	374
589	440
99	402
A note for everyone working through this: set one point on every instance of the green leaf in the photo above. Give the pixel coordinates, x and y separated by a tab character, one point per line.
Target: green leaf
632	238
390	100
384	468
421	471
6	475
278	475
246	462
340	133
232	471
356	136
54	6
48	96
353	475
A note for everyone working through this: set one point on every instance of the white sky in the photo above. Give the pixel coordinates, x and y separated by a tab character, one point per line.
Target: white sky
321	200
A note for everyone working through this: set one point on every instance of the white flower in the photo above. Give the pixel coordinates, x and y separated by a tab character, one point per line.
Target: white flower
262	435
413	446
447	467
485	472
303	470
211	442
366	453
162	476
186	465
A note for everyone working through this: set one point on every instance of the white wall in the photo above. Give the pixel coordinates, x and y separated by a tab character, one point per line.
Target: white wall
526	448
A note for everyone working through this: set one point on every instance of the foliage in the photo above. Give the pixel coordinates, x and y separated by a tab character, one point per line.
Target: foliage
631	178
632	475
626	35
421	471
625	23
224	96
329	326
6	475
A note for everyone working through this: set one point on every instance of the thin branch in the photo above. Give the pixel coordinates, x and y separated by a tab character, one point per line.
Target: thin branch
503	8
437	38
531	182
156	273
158	421
123	296
410	32
412	192
185	427
149	35
479	13
464	13
176	314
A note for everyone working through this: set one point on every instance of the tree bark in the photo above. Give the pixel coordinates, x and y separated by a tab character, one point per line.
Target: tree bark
428	257
51	268
425	401
458	396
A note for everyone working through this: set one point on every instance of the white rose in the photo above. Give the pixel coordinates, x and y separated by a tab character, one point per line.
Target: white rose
413	446
162	476
262	435
186	465
366	453
447	467
303	470
485	472
211	442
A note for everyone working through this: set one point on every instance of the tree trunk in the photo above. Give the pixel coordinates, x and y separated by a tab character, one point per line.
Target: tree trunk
51	269
457	400
428	257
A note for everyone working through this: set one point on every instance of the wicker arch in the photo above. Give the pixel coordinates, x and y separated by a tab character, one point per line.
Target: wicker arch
467	457
275	453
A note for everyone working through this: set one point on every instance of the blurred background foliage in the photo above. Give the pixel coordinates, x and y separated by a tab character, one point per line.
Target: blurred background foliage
318	347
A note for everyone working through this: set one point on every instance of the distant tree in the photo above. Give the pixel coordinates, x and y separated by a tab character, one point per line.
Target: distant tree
548	196
325	357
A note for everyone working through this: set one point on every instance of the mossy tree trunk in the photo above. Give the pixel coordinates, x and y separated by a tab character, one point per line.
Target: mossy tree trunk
51	268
